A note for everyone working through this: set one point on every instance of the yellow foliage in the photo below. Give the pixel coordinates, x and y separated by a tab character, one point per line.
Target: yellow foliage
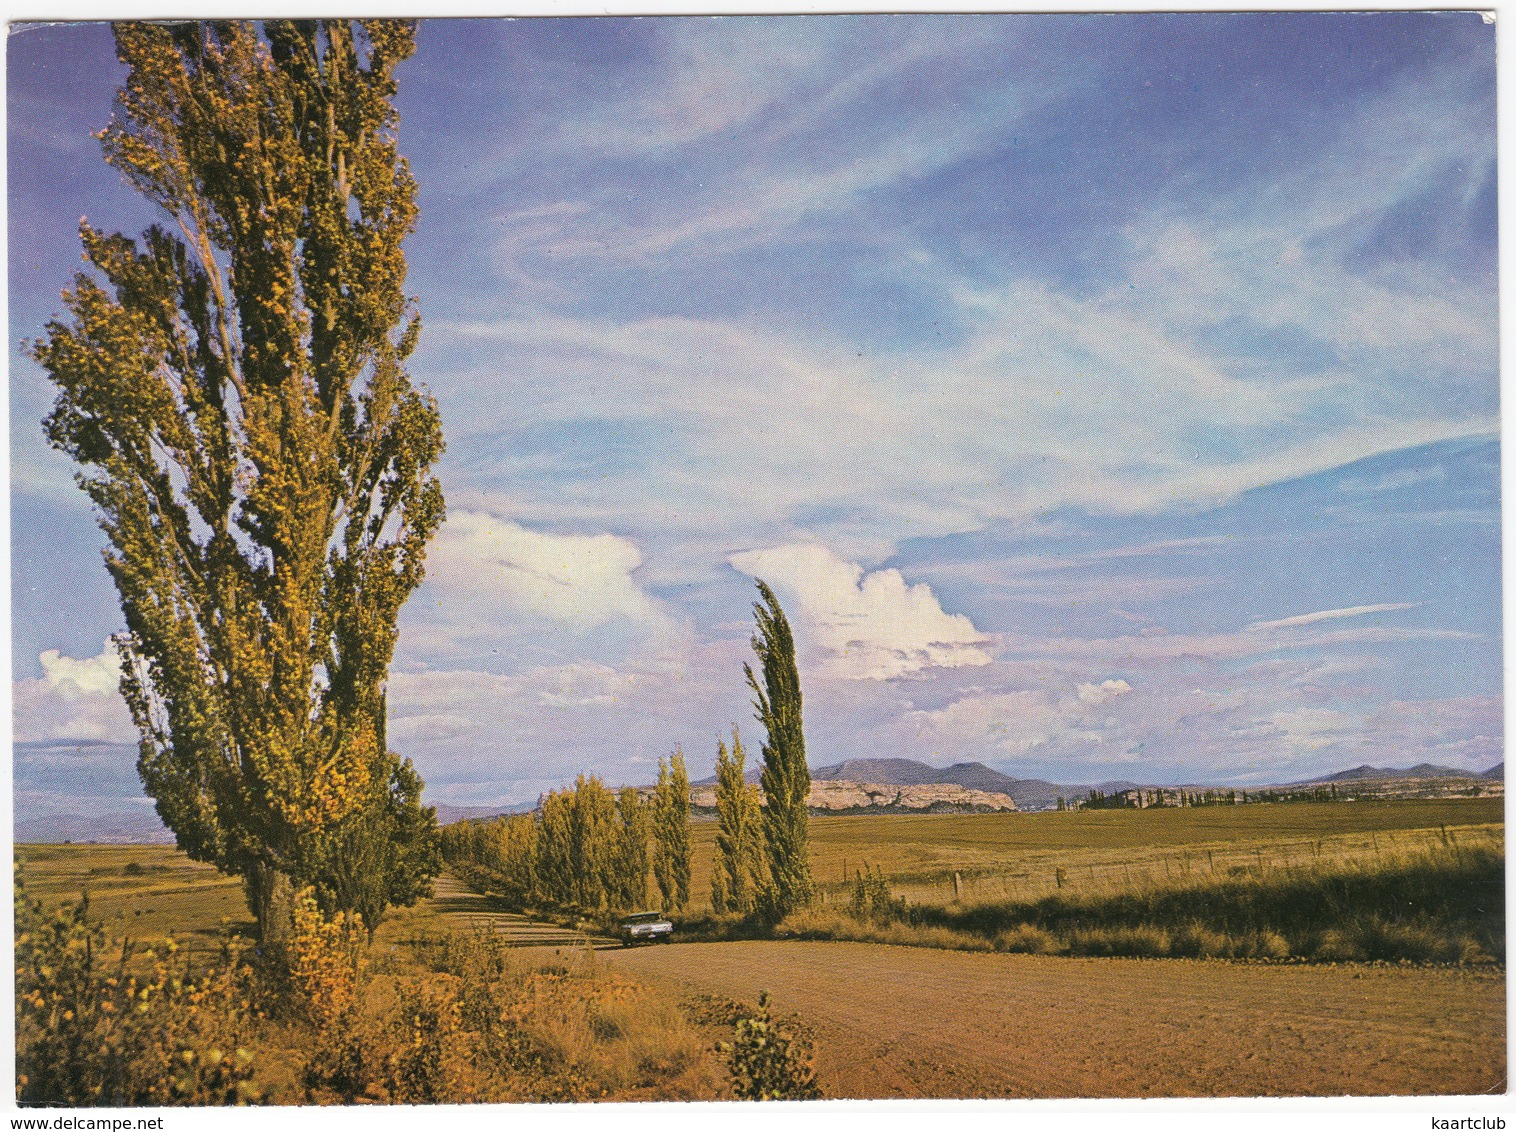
326	961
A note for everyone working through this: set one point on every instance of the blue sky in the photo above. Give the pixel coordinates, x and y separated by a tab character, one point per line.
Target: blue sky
1105	396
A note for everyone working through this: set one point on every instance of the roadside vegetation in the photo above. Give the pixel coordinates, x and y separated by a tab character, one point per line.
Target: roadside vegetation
112	1009
1417	880
1442	901
584	854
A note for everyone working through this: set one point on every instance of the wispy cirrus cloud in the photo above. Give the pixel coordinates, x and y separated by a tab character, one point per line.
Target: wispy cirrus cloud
1021	329
1329	615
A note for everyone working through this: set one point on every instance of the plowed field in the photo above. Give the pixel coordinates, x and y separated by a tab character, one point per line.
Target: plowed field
913	1022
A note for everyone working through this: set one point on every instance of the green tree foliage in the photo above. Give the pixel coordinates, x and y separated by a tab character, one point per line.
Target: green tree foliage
592	849
671	833
500	856
555	848
631	849
586	849
233	387
786	778
737	873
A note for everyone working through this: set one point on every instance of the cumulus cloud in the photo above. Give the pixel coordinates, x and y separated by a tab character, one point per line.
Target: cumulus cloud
499	568
871	626
72	699
487	737
1098	693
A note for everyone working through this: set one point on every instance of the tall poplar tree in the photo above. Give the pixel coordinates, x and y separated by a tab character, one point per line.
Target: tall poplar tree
632	861
596	825
671	832
786	777
233	387
737	872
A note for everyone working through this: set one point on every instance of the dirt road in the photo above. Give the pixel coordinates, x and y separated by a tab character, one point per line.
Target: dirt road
913	1022
466	909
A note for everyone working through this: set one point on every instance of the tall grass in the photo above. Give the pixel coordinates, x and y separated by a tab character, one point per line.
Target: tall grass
1442	903
436	1018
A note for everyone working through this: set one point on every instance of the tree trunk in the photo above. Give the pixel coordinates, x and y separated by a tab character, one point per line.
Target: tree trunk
271	896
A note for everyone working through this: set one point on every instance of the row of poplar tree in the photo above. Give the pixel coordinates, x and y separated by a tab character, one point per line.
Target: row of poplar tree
585	847
590	849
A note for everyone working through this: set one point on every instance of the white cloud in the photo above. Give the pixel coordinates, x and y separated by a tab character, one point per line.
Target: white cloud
872	626
1329	615
72	699
502	569
94	676
483	736
429	727
1098	693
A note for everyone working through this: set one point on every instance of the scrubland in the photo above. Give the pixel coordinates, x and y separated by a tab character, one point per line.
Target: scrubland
152	994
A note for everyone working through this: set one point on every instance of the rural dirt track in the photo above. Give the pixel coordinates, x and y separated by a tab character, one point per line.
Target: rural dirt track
468	910
914	1022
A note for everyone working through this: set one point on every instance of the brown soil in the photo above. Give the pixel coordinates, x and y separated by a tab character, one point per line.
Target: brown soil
914	1022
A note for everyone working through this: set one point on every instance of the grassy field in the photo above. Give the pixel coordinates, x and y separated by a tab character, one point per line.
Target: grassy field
137	891
1019	856
144	890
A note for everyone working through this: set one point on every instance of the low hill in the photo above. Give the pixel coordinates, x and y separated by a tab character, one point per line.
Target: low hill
840	796
447	815
1367	773
1029	793
116	827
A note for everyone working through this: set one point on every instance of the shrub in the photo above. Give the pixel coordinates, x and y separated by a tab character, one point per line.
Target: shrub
769	1061
1027	939
135	1029
1272	945
326	962
1195	940
1140	941
873	899
421	1068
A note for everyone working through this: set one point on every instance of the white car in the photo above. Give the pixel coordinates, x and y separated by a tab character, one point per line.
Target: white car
645	927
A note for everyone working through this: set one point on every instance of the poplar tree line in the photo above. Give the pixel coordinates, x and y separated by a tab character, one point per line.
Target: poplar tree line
762	862
590	850
586	848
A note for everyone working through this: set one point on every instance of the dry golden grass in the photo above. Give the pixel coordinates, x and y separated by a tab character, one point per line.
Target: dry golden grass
139	892
1026	856
429	1017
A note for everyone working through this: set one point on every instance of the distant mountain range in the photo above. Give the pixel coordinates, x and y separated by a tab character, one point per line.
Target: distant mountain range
1029	793
141	825
1368	773
118	827
447	815
1037	794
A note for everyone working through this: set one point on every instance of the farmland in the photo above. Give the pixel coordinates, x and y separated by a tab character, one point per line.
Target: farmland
999	856
941	1022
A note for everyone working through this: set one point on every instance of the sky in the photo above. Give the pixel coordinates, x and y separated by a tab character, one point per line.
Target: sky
1103	396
